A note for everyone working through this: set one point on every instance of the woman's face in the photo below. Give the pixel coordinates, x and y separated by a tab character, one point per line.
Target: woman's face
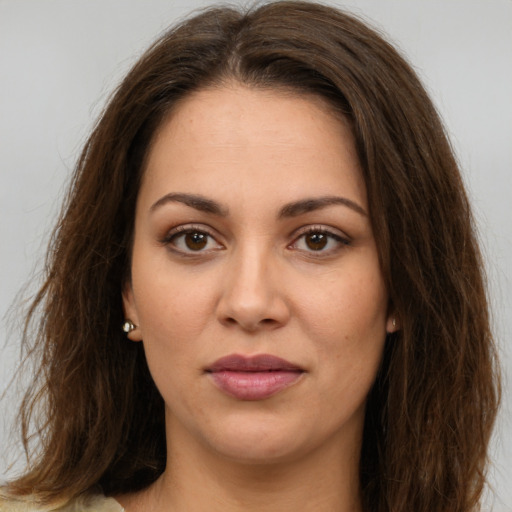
255	281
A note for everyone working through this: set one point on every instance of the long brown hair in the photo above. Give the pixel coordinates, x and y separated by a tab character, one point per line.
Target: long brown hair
430	413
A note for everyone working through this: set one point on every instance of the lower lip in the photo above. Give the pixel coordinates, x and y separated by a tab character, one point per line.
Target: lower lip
254	385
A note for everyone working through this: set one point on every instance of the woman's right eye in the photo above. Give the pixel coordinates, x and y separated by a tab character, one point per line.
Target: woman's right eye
190	241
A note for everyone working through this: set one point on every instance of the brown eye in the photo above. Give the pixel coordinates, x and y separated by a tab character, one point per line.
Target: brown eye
190	241
195	241
316	241
320	241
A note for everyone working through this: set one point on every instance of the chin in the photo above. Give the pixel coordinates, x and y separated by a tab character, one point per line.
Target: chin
254	438
255	450
267	439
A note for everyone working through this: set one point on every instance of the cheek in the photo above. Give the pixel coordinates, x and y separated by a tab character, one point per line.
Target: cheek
346	318
345	305
172	315
172	304
174	308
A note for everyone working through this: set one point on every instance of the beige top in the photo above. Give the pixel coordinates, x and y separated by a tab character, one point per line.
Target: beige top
84	503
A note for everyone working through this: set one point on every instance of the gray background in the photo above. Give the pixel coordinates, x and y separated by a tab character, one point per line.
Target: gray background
59	60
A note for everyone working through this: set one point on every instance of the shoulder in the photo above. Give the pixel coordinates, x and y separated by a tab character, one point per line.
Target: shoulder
85	503
10	504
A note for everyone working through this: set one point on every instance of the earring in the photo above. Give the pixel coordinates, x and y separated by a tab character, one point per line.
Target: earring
128	326
394	322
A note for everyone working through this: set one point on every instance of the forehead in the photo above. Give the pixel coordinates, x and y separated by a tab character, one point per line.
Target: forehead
253	137
232	111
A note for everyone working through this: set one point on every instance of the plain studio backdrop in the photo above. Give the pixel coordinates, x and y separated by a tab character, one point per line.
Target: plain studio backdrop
60	59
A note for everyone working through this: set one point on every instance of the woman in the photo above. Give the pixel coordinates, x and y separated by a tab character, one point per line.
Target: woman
270	211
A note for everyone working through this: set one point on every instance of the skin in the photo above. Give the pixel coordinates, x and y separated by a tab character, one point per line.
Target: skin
257	285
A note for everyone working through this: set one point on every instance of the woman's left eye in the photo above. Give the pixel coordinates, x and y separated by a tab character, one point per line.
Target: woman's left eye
319	241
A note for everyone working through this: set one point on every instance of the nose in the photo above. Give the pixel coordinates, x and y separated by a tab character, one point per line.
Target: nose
252	296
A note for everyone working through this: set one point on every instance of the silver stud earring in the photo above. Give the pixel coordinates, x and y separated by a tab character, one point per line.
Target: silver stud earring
128	326
394	322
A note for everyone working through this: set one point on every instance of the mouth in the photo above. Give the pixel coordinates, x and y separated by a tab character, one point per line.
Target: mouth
253	378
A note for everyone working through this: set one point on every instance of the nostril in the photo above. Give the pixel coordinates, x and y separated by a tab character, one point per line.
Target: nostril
248	325
252	311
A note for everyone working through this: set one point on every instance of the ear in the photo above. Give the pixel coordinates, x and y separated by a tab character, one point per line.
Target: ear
130	312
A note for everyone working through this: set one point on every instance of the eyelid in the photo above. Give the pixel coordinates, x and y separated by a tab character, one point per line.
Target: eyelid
341	238
333	233
183	229
322	228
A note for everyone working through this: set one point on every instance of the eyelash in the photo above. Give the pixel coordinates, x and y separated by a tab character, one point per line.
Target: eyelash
341	241
181	231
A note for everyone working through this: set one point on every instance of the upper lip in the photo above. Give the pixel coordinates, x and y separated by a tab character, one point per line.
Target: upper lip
257	363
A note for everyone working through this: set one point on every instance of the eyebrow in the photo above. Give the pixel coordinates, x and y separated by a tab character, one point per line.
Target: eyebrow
195	201
294	209
308	205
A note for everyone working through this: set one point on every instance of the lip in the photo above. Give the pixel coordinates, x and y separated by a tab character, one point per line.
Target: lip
255	377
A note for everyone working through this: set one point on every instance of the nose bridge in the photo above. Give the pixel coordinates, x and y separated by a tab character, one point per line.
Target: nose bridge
251	294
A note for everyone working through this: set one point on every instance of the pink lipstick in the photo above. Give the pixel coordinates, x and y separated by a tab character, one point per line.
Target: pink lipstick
253	378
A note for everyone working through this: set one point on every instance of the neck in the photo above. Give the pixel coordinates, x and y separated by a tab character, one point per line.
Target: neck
197	479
